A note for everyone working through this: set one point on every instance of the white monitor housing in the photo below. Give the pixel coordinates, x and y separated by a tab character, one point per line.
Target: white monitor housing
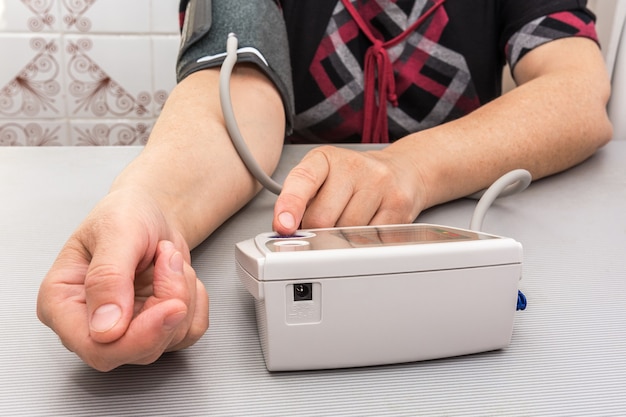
360	296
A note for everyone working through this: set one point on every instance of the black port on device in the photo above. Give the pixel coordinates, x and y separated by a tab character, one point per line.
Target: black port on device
302	292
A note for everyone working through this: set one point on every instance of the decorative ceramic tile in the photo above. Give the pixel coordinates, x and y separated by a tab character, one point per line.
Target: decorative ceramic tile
165	51
164	15
106	16
29	15
31	81
107	76
33	133
85	72
110	132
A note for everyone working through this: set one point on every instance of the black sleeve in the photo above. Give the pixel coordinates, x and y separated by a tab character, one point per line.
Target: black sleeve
516	14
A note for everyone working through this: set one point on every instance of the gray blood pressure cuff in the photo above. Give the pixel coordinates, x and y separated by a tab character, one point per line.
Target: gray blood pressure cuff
262	37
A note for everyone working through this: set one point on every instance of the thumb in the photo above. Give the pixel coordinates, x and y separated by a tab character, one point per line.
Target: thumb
109	287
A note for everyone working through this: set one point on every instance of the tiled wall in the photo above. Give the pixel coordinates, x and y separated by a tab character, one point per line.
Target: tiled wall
84	72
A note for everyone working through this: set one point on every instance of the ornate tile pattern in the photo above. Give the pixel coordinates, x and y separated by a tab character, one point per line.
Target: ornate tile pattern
35	90
76	72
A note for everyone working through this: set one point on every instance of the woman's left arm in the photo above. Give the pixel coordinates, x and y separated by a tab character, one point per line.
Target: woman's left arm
554	119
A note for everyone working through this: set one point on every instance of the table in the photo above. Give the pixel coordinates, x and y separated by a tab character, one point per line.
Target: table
567	356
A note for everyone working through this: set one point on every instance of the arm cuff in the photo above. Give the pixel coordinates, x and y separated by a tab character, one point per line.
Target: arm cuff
262	37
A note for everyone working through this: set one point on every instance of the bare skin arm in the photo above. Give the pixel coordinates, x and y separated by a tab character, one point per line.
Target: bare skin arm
190	160
122	289
554	119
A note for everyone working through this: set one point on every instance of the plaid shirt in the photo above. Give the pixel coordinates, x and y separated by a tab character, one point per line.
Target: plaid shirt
445	68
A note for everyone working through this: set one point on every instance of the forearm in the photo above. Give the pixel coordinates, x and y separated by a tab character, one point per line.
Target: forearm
189	165
555	119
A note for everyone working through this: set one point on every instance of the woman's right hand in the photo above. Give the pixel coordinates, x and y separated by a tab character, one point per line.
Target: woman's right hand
122	289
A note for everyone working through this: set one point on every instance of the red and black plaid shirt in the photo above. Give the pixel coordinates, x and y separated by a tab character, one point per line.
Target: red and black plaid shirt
447	67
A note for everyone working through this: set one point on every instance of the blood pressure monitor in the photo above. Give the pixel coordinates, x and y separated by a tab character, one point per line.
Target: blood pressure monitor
373	295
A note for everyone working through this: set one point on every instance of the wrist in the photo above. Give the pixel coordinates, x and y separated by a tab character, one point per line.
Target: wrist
409	158
160	200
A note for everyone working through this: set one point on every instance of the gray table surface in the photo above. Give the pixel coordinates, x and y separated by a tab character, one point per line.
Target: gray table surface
567	356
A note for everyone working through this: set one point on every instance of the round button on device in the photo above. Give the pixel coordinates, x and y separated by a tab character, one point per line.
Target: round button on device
291	245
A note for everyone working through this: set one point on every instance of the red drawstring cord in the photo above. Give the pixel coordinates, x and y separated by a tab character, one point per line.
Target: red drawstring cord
378	64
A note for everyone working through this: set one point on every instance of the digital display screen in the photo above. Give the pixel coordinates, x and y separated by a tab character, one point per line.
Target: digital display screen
360	237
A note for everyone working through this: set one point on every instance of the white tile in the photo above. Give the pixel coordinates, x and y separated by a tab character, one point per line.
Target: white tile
33	133
29	15
109	76
165	51
110	132
106	16
164	16
31	81
18	47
